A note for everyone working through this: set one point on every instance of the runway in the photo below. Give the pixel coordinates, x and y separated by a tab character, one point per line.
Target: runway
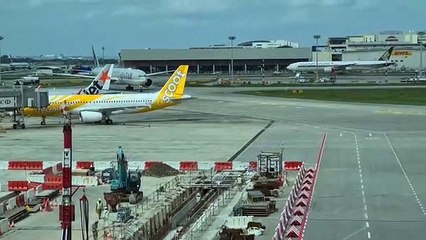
369	184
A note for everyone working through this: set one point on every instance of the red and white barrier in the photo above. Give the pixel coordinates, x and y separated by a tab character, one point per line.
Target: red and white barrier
25	165
296	221
283	227
17	186
293	232
54	168
292	165
84	164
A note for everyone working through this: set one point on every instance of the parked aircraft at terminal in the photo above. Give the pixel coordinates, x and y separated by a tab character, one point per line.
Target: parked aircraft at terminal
336	66
121	76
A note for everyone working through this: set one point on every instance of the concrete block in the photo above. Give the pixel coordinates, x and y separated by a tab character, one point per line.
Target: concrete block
238	222
11	203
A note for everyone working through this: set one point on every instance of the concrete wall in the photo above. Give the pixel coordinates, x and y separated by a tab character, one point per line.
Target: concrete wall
323	56
182	214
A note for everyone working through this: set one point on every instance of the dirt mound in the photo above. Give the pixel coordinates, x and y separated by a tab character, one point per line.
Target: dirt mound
160	170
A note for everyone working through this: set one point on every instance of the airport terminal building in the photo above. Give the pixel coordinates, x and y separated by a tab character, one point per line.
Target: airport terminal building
249	58
255	57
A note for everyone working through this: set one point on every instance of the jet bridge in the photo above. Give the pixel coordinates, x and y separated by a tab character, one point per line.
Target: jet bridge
13	101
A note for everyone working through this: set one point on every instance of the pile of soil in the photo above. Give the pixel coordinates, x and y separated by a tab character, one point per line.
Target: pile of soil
160	170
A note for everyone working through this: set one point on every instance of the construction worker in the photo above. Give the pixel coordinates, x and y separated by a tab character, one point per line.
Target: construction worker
105	213
240	182
95	230
99	208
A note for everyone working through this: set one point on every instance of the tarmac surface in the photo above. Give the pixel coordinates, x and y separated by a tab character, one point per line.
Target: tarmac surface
389	142
370	182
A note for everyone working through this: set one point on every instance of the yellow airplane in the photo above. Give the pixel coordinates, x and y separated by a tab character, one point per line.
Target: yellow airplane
96	108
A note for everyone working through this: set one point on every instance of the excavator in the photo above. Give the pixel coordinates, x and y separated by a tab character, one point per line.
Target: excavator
125	187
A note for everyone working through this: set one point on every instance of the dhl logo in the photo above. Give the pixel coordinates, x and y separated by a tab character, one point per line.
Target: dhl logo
402	53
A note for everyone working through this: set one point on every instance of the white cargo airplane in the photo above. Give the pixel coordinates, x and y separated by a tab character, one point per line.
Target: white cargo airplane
96	108
336	66
121	76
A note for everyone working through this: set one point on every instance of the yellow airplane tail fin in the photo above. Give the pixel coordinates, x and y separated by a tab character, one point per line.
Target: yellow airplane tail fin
175	86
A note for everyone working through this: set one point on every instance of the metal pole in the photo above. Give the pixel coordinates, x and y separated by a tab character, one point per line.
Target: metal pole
103	56
66	209
1	38
316	37
316	59
232	61
421	59
420	35
232	38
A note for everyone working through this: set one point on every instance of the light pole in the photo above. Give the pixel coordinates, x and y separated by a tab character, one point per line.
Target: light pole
103	56
232	38
420	40
316	37
1	38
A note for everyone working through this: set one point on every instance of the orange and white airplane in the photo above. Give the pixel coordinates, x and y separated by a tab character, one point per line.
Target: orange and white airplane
96	108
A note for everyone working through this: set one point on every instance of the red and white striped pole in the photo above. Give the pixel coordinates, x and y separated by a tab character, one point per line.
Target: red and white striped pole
67	209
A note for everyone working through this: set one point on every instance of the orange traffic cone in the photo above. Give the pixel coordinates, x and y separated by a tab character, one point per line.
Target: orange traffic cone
12	224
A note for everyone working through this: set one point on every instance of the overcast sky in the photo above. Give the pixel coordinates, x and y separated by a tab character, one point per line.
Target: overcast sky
35	27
